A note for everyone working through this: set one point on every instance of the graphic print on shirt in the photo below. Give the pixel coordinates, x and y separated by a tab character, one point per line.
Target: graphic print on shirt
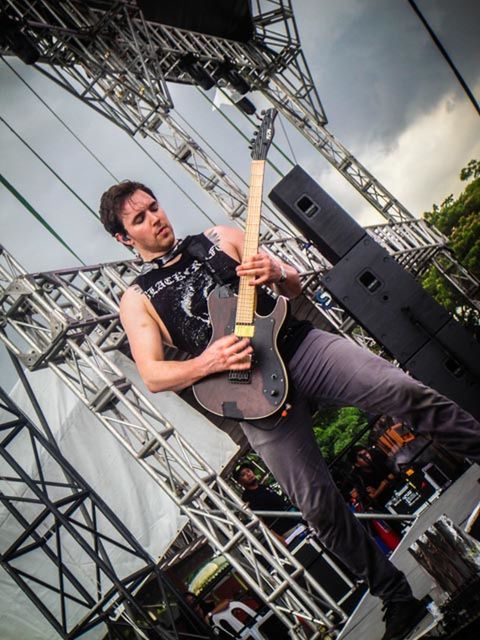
186	292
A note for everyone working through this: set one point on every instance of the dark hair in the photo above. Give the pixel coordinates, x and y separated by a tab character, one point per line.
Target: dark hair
113	201
193	600
353	453
241	467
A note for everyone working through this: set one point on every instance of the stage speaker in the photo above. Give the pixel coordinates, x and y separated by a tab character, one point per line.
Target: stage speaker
385	299
382	296
388	302
450	363
316	214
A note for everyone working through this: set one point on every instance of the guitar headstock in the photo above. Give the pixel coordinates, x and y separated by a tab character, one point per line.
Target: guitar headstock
263	136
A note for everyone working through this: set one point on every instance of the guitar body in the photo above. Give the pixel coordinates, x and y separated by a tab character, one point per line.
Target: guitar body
265	389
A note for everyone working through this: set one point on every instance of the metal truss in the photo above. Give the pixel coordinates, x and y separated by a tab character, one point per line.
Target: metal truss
118	63
458	277
107	55
70	549
62	320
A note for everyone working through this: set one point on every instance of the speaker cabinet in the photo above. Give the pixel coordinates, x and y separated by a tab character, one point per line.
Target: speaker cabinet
388	302
316	214
450	363
382	296
385	299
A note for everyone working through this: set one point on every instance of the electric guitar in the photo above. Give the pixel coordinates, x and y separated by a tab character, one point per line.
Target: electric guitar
261	390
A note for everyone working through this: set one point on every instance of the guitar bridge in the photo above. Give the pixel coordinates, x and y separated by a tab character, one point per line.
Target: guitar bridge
240	377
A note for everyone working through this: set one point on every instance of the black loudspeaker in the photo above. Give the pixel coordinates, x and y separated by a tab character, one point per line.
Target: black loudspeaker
408	322
382	296
385	299
316	214
450	363
230	19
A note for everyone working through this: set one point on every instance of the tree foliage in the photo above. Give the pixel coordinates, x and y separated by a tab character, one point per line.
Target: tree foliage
459	220
335	428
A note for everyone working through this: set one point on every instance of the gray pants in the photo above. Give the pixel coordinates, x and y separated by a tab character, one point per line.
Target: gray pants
328	367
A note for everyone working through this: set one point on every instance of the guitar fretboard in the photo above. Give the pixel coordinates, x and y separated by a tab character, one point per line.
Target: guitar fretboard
247	294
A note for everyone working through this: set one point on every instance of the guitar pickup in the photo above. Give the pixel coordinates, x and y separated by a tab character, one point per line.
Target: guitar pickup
244	330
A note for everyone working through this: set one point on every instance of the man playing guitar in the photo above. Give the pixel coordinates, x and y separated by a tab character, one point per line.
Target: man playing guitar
167	304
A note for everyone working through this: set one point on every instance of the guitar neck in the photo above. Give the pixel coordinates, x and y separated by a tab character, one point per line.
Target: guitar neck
247	295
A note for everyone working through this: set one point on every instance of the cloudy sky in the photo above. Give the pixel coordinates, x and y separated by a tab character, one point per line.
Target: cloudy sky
389	96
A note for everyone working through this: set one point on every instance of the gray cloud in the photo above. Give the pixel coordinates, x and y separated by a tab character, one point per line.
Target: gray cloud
377	66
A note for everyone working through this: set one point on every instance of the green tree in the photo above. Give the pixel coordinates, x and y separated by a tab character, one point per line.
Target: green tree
459	220
335	428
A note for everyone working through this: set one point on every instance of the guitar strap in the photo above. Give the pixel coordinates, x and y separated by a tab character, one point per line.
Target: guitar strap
198	251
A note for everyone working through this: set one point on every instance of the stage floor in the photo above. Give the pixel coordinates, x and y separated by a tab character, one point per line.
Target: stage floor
457	502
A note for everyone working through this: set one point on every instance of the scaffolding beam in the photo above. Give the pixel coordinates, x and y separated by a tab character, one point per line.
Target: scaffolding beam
58	517
46	326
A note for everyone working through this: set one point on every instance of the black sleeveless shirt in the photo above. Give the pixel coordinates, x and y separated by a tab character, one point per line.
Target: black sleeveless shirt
179	292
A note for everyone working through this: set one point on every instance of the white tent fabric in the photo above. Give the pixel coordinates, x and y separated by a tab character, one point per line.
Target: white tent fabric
112	472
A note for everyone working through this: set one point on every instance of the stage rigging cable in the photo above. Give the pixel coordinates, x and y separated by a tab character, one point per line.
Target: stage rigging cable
36	215
445	54
90	152
62	122
150	156
45	163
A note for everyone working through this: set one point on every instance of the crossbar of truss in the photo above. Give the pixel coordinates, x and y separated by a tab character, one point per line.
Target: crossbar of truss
59	517
81	359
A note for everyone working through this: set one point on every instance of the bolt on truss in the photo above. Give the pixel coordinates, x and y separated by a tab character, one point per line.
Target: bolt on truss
51	320
110	57
68	550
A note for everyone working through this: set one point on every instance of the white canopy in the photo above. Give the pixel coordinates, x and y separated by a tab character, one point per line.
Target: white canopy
113	473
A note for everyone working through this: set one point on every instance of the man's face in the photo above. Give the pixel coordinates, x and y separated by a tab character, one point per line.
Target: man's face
147	226
247	477
363	459
193	602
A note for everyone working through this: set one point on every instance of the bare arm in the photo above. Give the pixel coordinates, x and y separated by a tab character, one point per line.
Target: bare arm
384	484
145	338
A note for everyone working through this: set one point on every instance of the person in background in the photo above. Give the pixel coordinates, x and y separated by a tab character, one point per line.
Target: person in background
383	534
259	497
373	474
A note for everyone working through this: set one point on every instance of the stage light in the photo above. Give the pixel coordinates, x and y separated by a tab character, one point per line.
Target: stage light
245	105
191	65
228	73
17	42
